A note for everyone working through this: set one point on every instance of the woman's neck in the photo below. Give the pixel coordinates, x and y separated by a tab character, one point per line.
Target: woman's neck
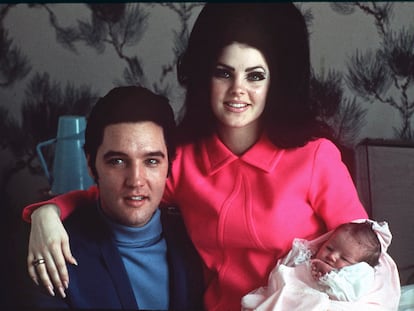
239	140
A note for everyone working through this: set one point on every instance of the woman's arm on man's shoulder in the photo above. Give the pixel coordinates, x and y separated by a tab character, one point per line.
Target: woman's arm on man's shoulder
66	203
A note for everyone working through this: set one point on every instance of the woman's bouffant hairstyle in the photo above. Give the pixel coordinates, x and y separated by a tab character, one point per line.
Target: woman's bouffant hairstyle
367	237
128	104
279	32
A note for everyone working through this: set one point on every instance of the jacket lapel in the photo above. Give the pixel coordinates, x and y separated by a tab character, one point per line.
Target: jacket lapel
116	270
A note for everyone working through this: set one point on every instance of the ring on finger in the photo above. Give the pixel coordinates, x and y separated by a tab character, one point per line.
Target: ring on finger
37	262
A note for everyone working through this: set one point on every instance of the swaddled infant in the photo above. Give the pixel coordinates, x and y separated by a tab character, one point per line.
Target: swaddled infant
341	268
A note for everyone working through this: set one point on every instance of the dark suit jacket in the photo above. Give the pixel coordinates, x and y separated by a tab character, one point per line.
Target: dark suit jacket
101	282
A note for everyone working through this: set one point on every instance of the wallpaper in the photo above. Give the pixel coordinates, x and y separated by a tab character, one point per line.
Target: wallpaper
58	58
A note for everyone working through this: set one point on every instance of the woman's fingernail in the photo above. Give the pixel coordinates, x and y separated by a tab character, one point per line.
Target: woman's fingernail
62	292
66	284
36	281
51	292
75	262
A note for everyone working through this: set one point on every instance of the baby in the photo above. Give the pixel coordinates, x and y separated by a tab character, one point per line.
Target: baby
348	245
313	273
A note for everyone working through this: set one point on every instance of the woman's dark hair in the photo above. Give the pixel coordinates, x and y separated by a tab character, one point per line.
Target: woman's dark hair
279	32
125	105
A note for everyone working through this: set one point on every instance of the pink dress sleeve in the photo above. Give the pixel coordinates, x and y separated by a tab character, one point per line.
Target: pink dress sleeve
332	192
67	202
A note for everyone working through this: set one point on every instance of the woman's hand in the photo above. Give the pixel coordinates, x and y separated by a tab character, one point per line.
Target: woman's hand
48	250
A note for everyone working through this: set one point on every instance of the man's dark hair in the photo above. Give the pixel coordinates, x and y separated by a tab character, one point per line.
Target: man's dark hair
128	104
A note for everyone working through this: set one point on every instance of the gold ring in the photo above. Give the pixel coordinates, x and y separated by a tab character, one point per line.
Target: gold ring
38	262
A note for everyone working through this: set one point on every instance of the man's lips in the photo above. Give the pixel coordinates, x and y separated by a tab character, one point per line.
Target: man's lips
136	199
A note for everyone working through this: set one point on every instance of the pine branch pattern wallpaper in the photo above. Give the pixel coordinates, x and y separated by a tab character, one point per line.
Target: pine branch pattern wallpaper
58	58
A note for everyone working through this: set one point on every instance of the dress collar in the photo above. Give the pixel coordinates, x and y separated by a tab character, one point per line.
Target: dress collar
262	155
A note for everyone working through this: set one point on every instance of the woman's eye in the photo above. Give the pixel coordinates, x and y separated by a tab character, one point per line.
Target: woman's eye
221	73
256	76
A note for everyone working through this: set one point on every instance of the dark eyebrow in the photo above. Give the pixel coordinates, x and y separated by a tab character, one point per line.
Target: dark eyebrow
158	154
247	69
112	153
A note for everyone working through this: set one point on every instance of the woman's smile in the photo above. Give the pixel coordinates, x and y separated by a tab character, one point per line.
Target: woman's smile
236	106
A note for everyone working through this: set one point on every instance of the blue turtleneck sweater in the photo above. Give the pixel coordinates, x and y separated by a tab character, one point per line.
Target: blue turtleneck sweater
144	254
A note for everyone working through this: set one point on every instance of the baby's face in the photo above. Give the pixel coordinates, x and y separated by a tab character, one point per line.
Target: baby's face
340	250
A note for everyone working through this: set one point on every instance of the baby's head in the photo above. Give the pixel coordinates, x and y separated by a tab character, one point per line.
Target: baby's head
349	244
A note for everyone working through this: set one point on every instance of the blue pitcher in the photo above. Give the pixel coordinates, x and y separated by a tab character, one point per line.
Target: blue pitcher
69	165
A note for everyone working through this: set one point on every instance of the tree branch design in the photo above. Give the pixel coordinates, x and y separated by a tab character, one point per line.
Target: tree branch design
385	75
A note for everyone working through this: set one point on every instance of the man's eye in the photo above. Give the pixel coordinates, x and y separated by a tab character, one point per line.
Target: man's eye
152	162
115	162
221	73
256	76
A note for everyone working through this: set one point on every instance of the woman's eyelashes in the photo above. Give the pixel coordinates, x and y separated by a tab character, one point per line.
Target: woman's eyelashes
222	73
253	76
256	76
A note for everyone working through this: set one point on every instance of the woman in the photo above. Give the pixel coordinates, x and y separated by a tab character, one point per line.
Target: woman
252	171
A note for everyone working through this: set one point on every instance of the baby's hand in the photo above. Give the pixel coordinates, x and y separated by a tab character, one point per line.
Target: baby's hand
319	268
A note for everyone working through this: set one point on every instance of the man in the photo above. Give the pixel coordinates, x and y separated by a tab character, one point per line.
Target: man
130	254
